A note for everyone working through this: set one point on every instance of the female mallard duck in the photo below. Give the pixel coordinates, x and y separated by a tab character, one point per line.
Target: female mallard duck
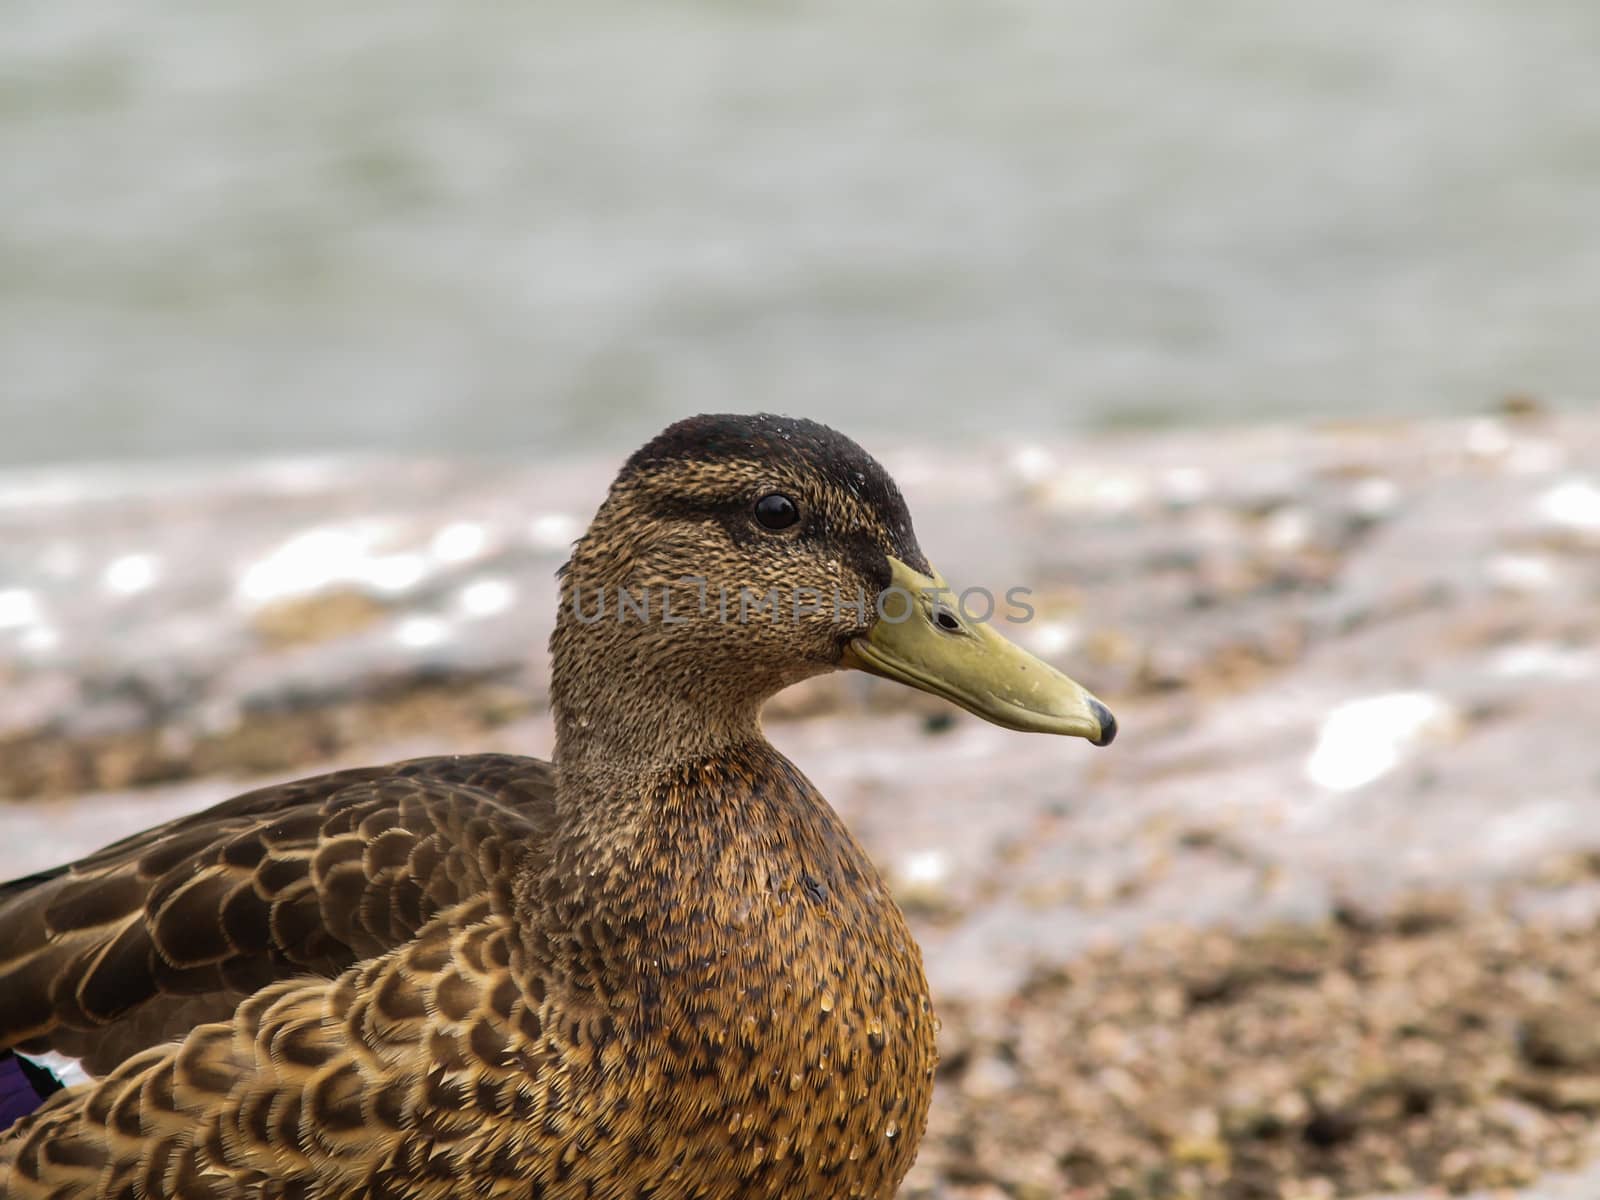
661	967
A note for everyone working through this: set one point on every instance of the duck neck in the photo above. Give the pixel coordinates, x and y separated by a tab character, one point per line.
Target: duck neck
676	821
663	783
628	712
611	745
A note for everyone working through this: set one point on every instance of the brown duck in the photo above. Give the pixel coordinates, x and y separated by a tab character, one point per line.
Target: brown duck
660	967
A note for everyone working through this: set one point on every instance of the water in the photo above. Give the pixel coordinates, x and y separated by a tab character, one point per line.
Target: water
228	226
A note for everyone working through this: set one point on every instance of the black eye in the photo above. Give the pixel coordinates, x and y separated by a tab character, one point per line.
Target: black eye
776	511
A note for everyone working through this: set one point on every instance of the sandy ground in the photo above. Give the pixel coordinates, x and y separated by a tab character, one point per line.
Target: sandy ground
1320	923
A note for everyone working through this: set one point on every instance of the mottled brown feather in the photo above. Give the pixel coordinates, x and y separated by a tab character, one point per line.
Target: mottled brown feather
222	902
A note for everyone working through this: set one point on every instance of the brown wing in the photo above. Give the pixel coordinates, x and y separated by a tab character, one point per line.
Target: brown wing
417	1074
139	942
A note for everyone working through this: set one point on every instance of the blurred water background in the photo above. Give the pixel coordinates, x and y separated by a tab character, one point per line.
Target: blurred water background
229	227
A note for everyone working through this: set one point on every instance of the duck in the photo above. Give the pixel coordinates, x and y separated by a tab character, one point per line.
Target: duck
656	966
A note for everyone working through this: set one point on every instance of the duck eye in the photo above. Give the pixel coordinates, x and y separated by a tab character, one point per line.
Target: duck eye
776	511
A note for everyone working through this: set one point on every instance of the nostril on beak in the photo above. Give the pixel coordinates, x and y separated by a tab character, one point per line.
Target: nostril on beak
946	620
1108	723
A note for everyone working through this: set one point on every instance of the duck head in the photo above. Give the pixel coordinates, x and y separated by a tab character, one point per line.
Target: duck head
735	555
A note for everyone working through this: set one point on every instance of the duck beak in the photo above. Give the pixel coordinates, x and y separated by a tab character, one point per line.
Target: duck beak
920	639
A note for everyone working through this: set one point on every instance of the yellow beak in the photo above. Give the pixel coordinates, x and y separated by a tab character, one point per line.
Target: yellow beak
922	641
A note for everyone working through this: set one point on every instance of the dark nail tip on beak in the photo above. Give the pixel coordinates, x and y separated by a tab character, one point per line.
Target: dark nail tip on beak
1108	723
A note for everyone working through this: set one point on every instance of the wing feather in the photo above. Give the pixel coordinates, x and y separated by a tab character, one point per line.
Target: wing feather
134	944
